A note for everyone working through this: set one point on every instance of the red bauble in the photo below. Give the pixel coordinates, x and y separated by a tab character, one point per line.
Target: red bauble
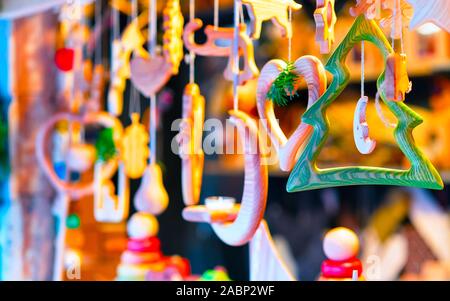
150	244
341	269
64	58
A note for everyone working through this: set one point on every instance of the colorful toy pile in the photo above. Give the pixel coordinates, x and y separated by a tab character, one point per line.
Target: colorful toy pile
143	259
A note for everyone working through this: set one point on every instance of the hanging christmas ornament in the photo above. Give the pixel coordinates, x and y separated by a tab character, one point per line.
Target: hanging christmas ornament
244	219
312	70
397	82
151	196
211	47
134	148
149	75
274	10
363	142
108	207
173	22
306	175
325	19
80	155
190	144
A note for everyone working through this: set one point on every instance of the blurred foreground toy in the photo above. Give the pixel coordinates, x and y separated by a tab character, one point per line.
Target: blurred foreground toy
341	246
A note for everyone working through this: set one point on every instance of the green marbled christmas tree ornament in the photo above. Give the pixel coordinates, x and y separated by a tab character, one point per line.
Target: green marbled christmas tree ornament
307	176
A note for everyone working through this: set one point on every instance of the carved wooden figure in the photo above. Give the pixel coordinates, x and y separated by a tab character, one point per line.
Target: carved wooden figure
74	190
210	47
108	207
190	141
397	83
173	22
151	196
135	148
325	19
274	10
306	175
363	142
149	75
435	11
312	70
253	203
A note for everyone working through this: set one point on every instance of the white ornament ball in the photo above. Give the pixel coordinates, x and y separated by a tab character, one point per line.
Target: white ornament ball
340	244
142	225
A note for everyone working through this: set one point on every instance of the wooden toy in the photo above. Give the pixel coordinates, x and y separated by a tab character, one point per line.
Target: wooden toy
266	263
142	225
108	207
149	75
370	8
210	47
363	142
312	70
173	22
397	83
306	175
341	246
134	148
190	144
274	10
151	196
434	11
253	203
74	190
325	19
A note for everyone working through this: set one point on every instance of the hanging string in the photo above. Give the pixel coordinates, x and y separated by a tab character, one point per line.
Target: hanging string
116	24
152	49
153	27
362	69
397	13
191	53
134	10
235	54
135	103
290	37
135	99
98	23
216	14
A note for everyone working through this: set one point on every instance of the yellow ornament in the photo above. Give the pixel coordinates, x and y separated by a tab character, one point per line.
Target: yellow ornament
135	148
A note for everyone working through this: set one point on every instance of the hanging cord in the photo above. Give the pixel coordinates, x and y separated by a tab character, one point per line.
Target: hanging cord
135	103
235	54
216	14
290	37
362	69
98	22
397	13
152	50
191	53
134	10
135	99
115	24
